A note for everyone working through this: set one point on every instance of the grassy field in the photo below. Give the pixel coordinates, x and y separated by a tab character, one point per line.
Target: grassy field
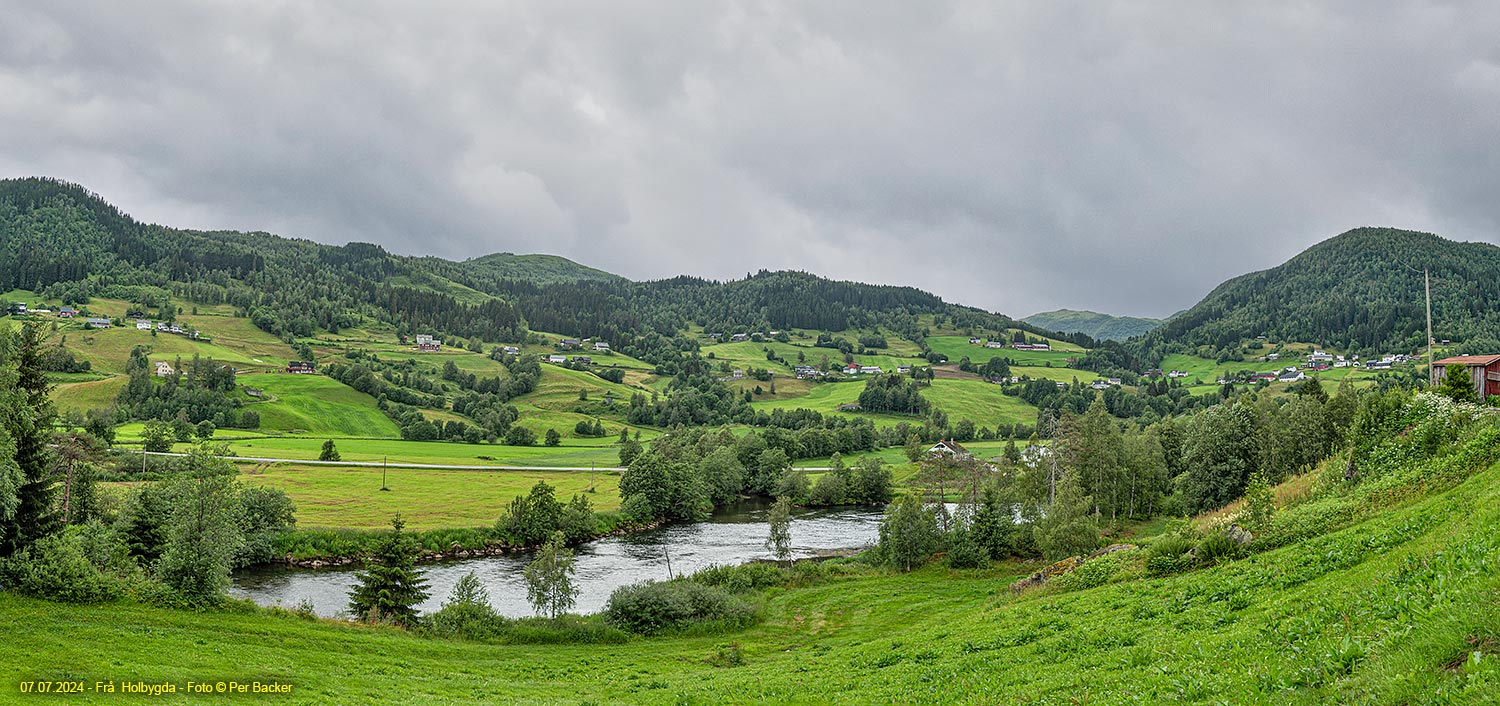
84	396
314	404
978	401
426	499
956	347
578	453
1396	609
748	354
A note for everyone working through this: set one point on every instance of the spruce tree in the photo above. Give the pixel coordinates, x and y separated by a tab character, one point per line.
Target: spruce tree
391	587
30	429
1068	527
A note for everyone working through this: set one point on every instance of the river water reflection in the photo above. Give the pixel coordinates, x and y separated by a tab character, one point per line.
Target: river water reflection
732	536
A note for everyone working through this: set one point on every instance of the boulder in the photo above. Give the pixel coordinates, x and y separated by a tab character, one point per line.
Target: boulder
1239	535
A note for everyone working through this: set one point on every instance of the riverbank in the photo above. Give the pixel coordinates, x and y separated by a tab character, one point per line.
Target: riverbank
325	548
632	554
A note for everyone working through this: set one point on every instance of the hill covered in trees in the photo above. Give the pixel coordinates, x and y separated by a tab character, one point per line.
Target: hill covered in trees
65	242
1093	324
1356	292
542	269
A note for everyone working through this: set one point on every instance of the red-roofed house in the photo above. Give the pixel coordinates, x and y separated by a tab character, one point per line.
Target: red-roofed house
1484	369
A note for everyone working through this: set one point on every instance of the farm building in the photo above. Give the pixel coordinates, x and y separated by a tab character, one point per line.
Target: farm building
601	346
554	358
300	367
511	350
98	323
950	447
1484	370
426	342
67	312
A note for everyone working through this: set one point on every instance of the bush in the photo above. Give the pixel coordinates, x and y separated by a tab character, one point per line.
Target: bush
1218	547
1169	555
964	551
56	568
655	607
1092	573
467	614
743	578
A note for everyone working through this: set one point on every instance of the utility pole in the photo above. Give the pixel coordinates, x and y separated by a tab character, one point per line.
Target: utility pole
383	465
1427	282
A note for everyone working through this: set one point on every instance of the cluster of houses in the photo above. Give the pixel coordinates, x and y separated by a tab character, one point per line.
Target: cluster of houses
745	336
1105	384
573	344
977	341
560	359
425	342
300	367
160	327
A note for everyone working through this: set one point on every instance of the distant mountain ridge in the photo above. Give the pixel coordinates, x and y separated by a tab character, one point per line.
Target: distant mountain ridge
1357	291
1093	324
66	242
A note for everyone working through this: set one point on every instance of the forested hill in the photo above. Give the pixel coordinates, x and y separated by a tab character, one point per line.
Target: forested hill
542	269
1093	324
1355	292
61	239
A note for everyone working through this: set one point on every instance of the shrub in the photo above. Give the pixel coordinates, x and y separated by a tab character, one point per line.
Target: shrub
655	607
964	551
743	578
1092	573
1168	555
466	614
56	568
1218	547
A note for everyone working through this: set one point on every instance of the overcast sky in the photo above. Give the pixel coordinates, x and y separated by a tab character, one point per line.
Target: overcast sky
1118	156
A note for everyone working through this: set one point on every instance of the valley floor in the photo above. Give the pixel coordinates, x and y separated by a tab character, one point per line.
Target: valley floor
1397	609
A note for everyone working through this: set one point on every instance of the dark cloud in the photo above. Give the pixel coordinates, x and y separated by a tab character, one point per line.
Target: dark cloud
1119	156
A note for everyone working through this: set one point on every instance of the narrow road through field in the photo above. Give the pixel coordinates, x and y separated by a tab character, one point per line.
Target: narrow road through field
403	464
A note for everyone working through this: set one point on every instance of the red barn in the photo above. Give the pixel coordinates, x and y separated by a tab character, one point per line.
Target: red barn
1484	369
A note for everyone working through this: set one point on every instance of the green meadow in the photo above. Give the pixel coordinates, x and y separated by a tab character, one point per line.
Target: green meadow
1396	607
313	404
351	498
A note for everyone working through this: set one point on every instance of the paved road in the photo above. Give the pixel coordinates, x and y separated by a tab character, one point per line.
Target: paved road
392	464
404	464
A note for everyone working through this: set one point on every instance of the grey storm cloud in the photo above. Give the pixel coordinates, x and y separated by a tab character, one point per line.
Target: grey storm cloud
1119	156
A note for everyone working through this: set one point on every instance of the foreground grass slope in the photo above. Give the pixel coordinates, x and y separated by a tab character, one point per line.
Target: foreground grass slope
1398	608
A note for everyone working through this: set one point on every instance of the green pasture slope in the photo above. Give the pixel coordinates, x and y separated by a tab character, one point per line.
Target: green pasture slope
314	404
1395	609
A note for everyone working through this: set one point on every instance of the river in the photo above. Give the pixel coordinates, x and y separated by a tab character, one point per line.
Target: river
732	536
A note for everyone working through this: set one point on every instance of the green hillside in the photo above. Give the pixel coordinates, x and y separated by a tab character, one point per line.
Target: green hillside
1378	593
1356	292
542	269
1093	324
313	404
